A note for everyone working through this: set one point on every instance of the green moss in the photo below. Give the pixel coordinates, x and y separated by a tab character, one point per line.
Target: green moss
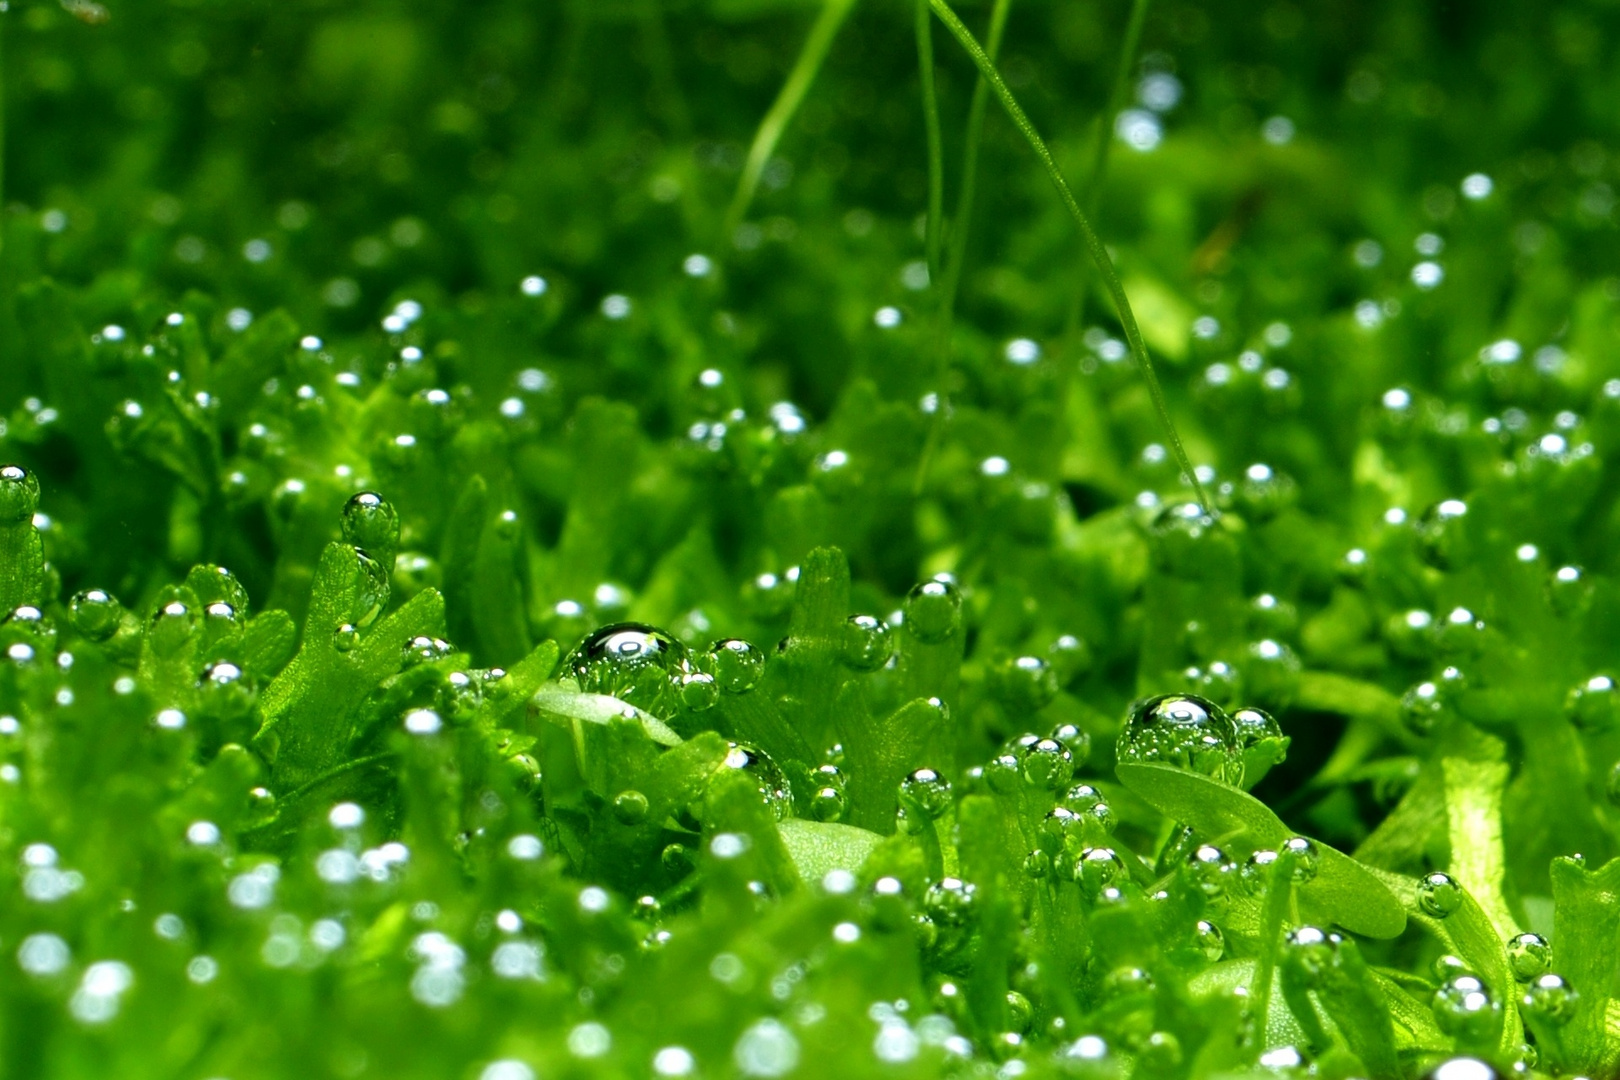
535	546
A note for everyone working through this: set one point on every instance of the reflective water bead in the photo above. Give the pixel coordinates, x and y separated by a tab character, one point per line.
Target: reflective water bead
19	494
1256	873
629	661
1464	1008
1075	740
949	902
1219	682
1002	774
95	613
1594	705
1613	785
371	523
769	780
1037	864
699	691
933	611
1025	684
829	803
345	638
1440	532
1045	763
415	571
1098	868
769	596
1070	658
1438	894
423	649
1310	951
630	807
865	643
1182	730
738	664
1424	707
1463	1068
1210	870
1209	939
1307	858
926	791
1551	999
1530	956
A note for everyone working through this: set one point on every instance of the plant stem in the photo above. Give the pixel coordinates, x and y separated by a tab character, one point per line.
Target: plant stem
787	102
1104	141
1099	254
936	152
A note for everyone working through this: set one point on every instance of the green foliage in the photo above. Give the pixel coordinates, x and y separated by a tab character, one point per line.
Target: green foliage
532	545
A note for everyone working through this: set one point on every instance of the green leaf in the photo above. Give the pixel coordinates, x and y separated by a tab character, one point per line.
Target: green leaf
818	847
1585	931
570	708
1349	893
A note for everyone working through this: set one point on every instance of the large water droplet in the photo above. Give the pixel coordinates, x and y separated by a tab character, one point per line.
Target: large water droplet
933	611
949	902
866	643
738	664
1594	705
96	614
1438	894
1464	1008
1530	956
19	494
371	523
1024	684
926	794
629	661
1550	999
769	780
1183	730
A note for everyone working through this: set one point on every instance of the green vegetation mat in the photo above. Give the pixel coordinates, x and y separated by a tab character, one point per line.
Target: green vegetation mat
795	538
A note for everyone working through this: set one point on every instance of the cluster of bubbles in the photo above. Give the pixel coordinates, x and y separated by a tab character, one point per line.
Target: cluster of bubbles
1193	733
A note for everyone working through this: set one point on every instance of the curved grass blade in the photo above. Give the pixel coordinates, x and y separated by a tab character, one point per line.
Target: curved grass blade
1099	152
1357	899
1099	254
787	102
936	151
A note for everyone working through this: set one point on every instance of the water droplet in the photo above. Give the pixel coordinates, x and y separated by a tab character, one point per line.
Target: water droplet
1070	658
1183	730
1098	868
630	807
770	781
1210	870
699	691
629	661
1075	740
1550	999
1219	682
345	637
414	571
949	903
933	611
1037	864
1594	705
1256	873
1441	532
926	793
1464	1009
738	664
866	644
1438	894
1044	763
1425	706
95	613
1307	858
19	494
1209	939
1530	956
1025	684
424	650
829	803
371	523
1463	1068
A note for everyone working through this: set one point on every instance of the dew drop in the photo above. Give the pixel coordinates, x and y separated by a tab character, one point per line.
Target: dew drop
1209	939
630	807
1530	956
1098	868
950	902
769	780
345	637
1551	999
933	611
1594	705
926	793
1464	1009
865	643
738	664
371	523
19	494
1438	894
95	613
1183	730
1025	684
629	661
